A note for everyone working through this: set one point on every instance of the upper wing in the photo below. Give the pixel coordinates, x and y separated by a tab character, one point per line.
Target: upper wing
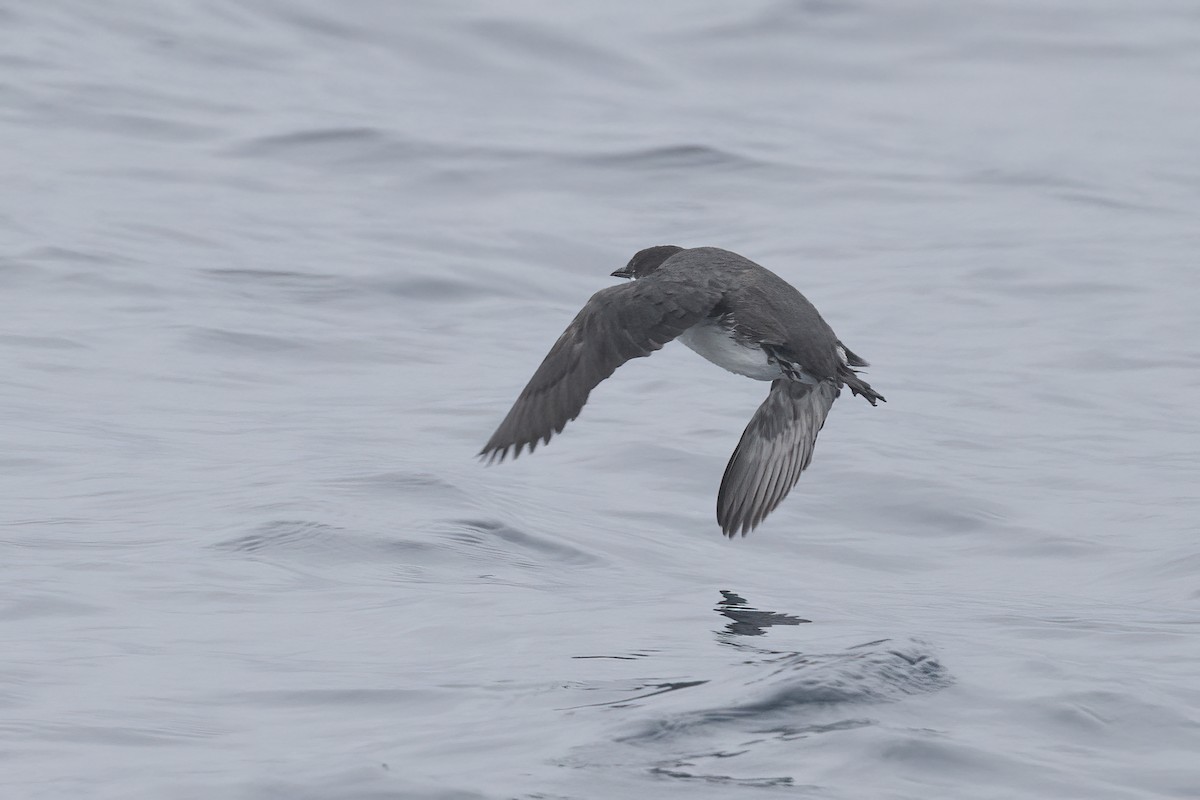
774	449
617	324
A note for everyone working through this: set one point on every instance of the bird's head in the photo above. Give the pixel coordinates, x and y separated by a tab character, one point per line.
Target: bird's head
646	261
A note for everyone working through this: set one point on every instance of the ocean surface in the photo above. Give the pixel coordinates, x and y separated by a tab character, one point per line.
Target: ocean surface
272	271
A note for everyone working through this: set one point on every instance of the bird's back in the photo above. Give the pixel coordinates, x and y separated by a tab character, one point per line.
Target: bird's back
763	306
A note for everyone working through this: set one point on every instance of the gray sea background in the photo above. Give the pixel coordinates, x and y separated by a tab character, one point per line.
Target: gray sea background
272	271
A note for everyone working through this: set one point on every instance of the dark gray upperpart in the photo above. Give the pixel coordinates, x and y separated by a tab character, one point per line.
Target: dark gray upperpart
674	289
764	308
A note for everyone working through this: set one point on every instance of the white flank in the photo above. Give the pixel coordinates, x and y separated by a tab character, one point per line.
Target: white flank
718	346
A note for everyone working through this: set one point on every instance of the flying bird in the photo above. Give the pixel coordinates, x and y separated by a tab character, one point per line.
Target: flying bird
736	314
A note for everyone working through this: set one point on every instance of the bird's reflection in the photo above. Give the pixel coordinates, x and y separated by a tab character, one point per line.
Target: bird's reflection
748	621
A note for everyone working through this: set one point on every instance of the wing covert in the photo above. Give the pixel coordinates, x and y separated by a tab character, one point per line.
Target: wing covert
631	320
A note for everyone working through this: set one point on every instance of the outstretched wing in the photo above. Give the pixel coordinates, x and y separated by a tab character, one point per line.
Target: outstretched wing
618	323
774	449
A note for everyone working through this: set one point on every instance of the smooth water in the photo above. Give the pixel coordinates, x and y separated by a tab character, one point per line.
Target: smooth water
273	271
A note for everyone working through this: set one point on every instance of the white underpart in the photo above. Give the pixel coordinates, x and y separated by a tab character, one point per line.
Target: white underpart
718	346
841	351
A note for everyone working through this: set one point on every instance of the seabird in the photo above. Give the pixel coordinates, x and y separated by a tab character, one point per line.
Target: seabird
735	313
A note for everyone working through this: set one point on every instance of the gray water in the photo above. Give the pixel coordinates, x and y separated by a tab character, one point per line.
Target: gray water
272	272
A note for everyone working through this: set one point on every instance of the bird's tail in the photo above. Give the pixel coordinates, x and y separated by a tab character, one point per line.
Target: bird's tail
852	358
849	376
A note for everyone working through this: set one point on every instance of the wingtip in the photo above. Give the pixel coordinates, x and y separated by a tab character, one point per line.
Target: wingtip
735	528
493	454
497	453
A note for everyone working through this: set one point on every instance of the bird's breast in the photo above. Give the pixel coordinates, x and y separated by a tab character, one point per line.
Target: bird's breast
721	347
